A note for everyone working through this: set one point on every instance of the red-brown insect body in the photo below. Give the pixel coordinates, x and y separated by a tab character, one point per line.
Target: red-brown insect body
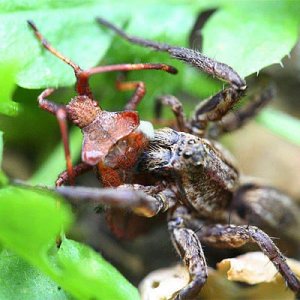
112	143
110	139
116	169
101	130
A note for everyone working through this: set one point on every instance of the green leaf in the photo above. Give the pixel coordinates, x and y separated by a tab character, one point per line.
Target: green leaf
45	218
170	23
72	32
8	73
92	272
250	35
20	280
30	222
77	35
16	6
281	124
1	147
3	178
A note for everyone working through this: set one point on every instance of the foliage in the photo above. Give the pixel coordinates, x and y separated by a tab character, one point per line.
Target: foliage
19	279
248	35
30	222
3	178
267	33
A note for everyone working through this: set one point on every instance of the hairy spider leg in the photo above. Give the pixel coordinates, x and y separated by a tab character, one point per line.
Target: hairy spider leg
146	201
215	107
220	236
188	246
128	205
233	236
236	119
267	206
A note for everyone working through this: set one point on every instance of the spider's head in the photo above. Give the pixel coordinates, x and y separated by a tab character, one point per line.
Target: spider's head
171	151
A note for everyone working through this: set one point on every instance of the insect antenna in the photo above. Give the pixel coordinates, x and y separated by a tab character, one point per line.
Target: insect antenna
50	48
82	85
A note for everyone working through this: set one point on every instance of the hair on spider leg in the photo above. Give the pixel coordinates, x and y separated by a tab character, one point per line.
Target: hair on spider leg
199	229
274	237
229	214
248	225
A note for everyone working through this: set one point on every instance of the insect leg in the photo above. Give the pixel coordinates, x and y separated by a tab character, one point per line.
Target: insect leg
82	85
61	114
139	93
78	170
138	86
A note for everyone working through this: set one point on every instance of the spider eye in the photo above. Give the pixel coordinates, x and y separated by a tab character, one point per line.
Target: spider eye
165	157
187	154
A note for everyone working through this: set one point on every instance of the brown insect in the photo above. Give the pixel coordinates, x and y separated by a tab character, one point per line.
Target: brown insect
114	133
189	175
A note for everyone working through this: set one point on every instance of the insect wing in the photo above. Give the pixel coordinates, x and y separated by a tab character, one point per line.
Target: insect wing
105	131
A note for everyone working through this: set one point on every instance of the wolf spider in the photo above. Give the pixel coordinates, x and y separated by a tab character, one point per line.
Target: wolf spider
184	172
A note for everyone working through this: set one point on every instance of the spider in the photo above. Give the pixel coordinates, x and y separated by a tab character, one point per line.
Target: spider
186	173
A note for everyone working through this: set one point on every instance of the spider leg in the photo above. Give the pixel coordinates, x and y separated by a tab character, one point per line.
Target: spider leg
78	170
267	206
215	107
189	248
145	201
61	114
232	236
192	57
235	120
176	107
